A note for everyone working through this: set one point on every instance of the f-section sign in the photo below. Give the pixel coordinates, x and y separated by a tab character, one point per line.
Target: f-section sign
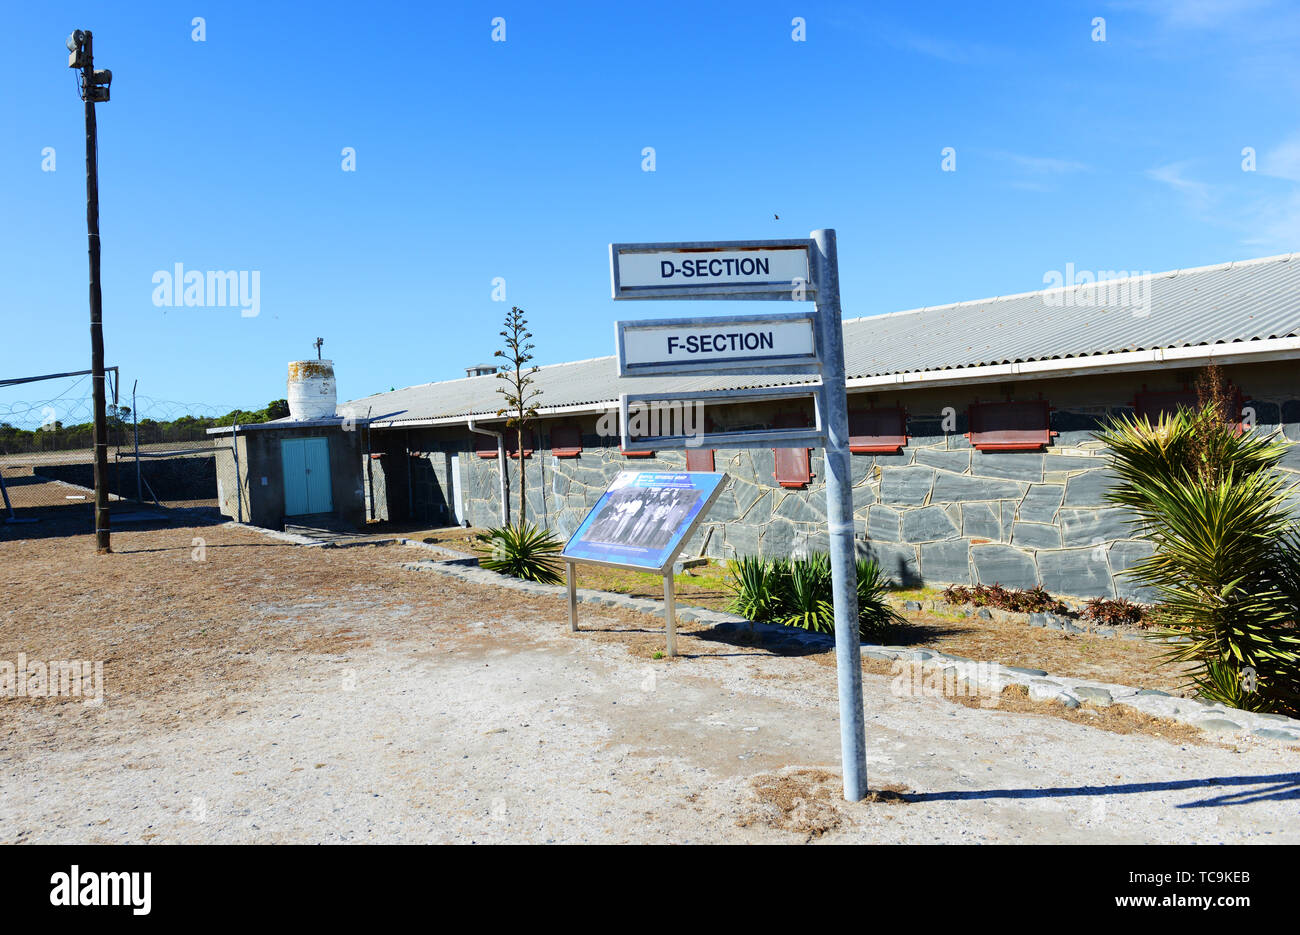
738	343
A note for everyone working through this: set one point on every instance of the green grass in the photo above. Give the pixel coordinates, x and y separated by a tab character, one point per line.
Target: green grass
917	594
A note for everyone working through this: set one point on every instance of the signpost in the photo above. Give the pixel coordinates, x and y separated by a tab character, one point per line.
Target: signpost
641	522
790	270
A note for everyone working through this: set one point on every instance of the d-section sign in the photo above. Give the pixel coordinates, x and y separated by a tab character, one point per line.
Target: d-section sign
724	269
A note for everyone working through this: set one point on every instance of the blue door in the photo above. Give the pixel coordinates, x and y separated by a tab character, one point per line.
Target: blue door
306	466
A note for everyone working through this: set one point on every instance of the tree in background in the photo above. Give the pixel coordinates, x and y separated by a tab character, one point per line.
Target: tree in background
58	436
520	397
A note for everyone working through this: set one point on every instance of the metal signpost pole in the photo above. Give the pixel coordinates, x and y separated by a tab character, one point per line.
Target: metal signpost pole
839	516
778	270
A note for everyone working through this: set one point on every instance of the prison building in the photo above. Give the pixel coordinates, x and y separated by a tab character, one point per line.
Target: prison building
972	431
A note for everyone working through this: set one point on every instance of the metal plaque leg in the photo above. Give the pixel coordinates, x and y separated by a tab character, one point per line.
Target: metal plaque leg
572	581
670	613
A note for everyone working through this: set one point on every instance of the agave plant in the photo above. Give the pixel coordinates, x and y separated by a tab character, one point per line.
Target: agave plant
525	551
756	589
799	593
1226	561
808	594
875	615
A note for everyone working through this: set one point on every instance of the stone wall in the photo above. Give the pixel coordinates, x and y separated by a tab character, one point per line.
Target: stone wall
938	512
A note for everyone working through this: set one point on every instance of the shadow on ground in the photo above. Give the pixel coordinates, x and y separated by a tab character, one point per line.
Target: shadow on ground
1275	786
78	519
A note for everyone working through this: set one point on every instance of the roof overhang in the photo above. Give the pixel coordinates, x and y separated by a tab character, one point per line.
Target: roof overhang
1238	352
333	422
1122	362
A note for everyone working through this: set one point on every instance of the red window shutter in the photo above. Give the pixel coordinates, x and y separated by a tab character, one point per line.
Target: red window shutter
793	465
485	445
699	459
636	454
1010	425
877	430
566	441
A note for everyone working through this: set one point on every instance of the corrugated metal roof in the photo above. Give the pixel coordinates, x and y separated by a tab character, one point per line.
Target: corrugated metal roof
579	383
1234	302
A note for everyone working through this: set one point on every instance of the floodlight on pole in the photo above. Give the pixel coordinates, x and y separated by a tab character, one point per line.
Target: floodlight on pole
93	86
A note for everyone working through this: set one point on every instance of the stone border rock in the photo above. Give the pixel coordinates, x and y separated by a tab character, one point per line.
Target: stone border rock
439	549
1071	692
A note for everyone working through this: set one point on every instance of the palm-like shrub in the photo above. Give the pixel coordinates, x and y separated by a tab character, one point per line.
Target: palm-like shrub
799	592
1226	562
875	616
756	591
526	551
808	595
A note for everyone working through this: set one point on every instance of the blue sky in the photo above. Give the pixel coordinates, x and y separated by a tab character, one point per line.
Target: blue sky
523	159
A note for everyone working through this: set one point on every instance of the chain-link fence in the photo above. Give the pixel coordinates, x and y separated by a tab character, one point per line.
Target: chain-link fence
159	454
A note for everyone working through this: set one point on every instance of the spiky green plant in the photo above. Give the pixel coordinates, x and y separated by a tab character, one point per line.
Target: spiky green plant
799	592
1226	562
756	588
808	594
875	615
523	551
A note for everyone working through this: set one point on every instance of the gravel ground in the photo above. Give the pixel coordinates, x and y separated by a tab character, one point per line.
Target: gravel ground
275	693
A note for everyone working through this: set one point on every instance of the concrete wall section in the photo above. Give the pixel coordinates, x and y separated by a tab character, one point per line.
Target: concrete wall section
260	479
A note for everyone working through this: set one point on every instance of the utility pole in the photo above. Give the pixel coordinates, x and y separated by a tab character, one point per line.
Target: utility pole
94	88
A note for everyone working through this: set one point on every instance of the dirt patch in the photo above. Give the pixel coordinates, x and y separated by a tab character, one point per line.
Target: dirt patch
799	801
1125	662
1120	662
809	802
193	617
1117	718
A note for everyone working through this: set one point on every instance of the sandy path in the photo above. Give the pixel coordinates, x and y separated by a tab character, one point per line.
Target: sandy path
450	712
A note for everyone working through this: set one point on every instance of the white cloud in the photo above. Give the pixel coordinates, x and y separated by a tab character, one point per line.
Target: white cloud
1283	160
1174	175
1044	165
957	52
1204	14
1274	224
